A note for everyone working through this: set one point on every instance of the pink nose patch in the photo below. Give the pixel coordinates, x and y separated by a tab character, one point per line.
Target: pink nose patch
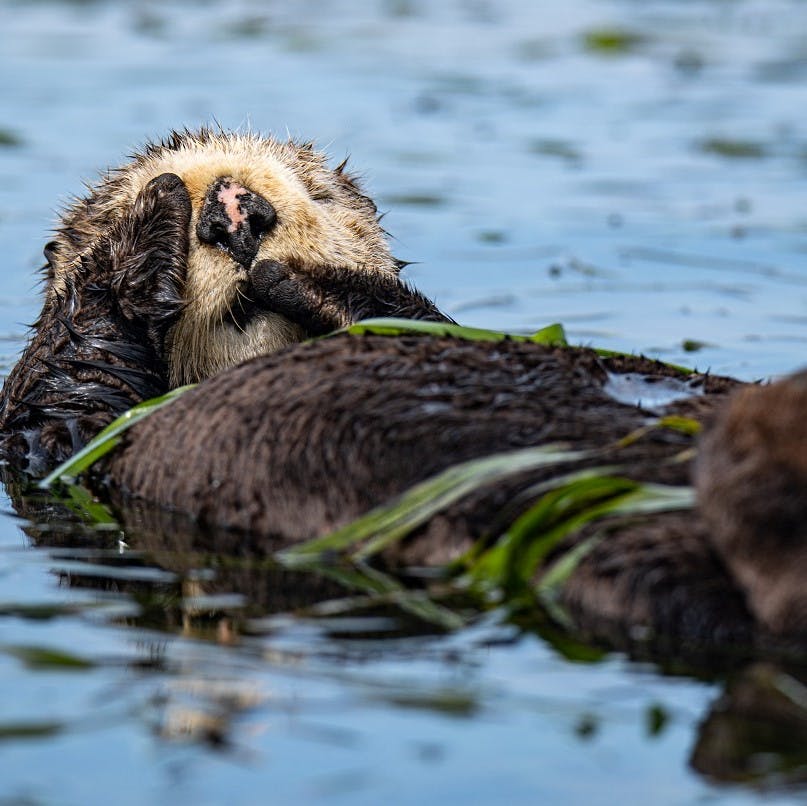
230	195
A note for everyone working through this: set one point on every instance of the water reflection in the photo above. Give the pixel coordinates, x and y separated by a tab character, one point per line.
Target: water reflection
163	578
756	731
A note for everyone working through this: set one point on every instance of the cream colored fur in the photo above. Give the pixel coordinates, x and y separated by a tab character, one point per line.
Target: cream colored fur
323	220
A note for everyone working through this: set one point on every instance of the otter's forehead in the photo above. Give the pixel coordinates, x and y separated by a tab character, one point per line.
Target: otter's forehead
280	171
322	215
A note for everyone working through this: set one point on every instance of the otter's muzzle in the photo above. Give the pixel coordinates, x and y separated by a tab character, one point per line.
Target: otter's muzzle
235	219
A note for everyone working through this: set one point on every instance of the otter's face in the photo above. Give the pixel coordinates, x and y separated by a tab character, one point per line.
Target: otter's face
253	199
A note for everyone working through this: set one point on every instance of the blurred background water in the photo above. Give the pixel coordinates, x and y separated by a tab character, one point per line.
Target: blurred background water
635	170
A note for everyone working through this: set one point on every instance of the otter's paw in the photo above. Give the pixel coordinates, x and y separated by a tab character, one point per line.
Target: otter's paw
326	299
161	216
296	295
168	192
147	253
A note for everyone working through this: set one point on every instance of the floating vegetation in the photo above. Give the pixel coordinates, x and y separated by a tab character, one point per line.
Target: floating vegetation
694	345
382	526
82	502
375	589
560	149
612	41
253	27
491	236
552	335
424	199
732	149
14	731
509	566
36	657
9	139
512	570
656	720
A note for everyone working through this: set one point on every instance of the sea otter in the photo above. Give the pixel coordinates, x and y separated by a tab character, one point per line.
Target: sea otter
210	251
207	249
355	421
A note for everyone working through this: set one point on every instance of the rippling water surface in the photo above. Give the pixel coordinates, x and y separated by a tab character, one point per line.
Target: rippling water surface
636	171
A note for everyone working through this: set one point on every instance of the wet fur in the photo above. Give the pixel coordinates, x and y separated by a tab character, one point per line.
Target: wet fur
98	346
752	484
348	423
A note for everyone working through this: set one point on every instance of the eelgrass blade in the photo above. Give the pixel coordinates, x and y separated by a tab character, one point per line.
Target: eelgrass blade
388	523
563	508
648	498
645	499
390	326
108	438
683	425
380	588
560	512
552	335
687	426
549	587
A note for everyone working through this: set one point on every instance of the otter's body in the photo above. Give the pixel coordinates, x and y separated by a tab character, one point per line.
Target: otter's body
351	422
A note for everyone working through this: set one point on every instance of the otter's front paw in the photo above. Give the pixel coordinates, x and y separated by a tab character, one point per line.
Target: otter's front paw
325	299
161	217
293	294
168	191
148	252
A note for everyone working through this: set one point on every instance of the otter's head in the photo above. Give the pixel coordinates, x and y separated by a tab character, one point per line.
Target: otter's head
253	199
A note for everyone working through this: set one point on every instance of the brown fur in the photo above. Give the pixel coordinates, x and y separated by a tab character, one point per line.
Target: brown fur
349	422
752	485
98	346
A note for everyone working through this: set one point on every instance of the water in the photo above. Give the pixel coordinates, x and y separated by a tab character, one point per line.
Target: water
633	170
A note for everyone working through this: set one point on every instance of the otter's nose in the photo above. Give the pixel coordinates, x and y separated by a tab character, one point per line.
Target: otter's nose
235	219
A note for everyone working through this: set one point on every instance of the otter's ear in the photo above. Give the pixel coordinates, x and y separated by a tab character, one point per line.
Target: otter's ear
51	251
